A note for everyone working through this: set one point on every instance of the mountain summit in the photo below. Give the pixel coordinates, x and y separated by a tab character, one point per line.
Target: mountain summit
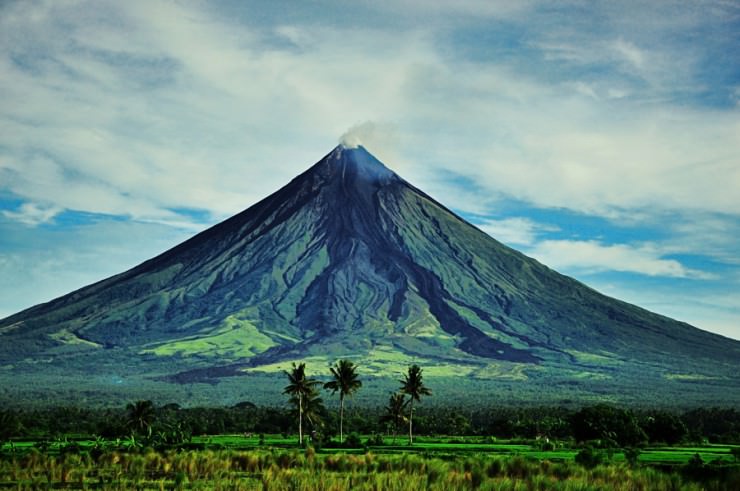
350	260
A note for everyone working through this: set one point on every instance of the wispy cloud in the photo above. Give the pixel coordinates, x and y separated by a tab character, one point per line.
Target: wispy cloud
32	213
592	256
141	107
175	118
516	231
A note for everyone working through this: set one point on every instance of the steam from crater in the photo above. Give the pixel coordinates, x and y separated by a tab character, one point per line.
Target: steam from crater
381	139
358	135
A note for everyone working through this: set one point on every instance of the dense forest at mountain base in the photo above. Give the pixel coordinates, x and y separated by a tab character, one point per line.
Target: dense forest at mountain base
59	386
606	424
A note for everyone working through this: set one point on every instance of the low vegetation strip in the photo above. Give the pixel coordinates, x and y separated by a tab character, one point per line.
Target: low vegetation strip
280	469
271	462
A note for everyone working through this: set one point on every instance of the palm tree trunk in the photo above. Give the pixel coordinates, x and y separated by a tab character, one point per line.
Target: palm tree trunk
300	420
411	421
341	417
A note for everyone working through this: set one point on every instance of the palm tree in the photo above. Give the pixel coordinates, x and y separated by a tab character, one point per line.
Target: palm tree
413	385
140	416
394	413
299	388
346	383
313	409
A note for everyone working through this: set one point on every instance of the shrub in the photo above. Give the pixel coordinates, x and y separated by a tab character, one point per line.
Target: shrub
476	475
695	461
589	458
665	427
353	441
605	422
695	468
435	470
518	467
310	453
735	451
286	460
412	464
561	470
376	440
495	468
546	445
631	455
181	479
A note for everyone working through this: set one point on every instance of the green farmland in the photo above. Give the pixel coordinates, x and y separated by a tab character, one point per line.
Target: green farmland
453	446
443	447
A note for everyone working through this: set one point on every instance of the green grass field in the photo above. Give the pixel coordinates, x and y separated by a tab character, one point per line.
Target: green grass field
446	446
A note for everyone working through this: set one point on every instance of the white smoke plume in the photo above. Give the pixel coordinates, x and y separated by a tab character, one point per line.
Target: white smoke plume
381	139
373	136
353	137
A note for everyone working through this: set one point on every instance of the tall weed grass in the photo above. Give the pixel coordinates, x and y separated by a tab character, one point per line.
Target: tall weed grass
278	470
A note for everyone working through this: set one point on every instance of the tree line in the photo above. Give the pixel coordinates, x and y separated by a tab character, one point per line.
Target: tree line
596	422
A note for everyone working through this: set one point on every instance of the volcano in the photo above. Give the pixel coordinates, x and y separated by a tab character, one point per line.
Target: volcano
349	260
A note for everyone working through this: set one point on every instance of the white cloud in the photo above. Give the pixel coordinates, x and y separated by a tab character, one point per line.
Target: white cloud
655	161
591	256
708	235
514	231
32	213
141	107
441	11
631	53
180	115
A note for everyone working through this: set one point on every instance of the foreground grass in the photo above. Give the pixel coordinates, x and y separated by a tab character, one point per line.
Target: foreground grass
282	469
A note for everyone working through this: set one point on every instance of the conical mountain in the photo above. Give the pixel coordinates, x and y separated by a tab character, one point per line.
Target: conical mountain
350	260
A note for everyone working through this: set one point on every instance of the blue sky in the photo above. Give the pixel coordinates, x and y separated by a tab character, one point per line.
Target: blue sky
602	138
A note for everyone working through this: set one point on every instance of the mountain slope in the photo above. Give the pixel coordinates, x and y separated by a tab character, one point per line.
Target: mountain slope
349	259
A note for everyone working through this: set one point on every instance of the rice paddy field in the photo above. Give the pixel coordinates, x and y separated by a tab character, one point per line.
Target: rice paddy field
274	462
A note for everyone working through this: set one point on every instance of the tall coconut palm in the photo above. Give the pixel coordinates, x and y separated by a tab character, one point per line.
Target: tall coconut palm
346	382
313	410
140	416
413	385
299	389
394	413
